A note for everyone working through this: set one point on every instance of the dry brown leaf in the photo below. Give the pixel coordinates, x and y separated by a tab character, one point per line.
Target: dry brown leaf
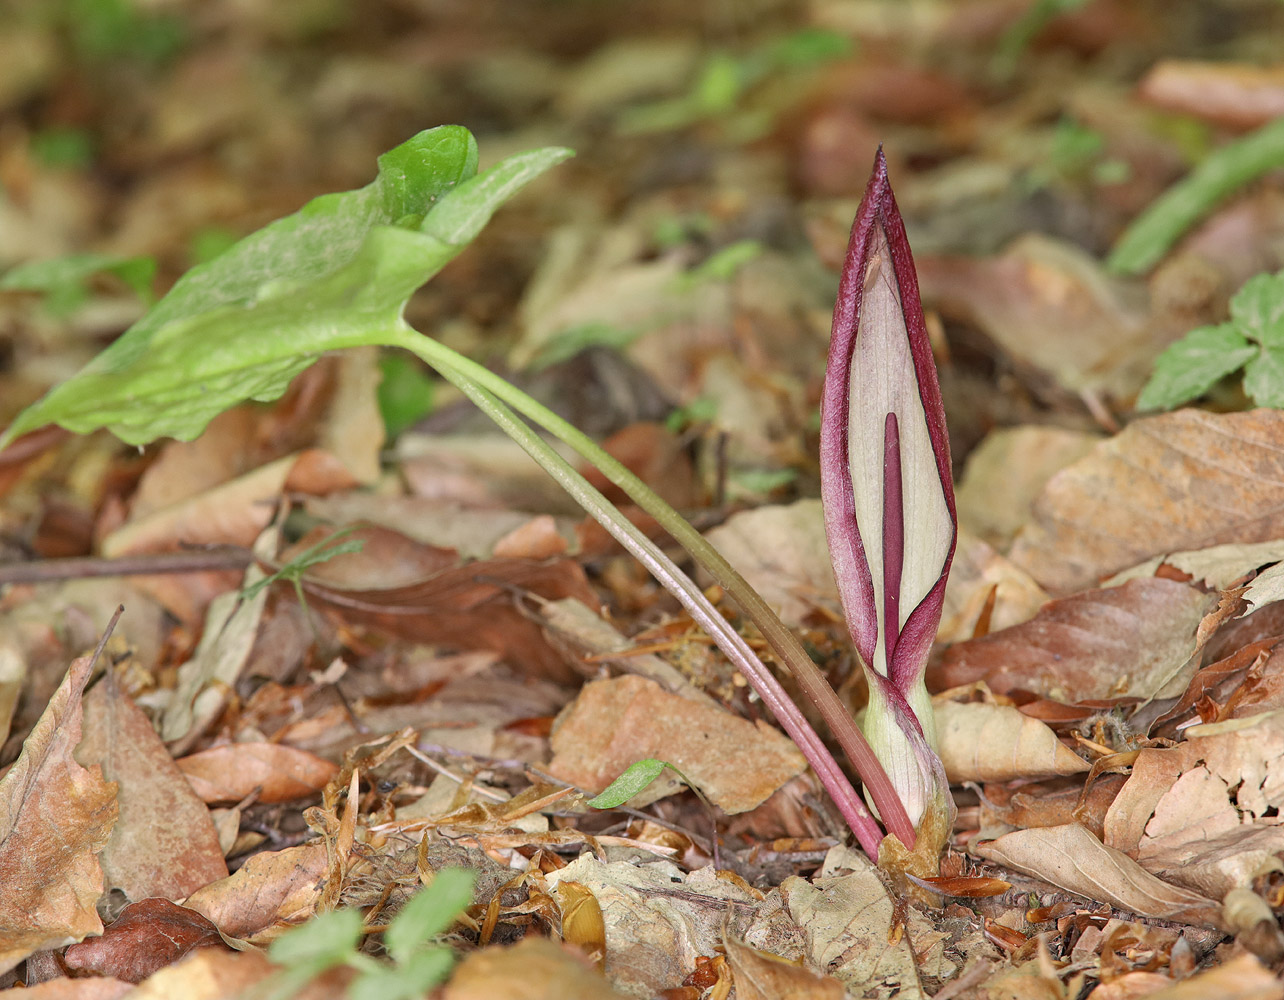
1139	640
759	975
78	989
782	552
614	723
1006	472
846	921
1203	813
147	936
997	743
1054	802
272	887
218	974
230	772
1242	977
1179	481
533	969
55	816
1072	859
982	582
1238	95
538	538
164	843
423	594
1050	305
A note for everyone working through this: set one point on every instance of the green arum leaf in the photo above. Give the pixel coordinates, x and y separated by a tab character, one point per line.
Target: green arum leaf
429	912
1190	367
637	777
335	274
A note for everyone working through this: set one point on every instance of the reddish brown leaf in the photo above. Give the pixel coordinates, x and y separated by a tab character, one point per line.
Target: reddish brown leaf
1129	640
147	936
1183	480
230	772
55	816
164	843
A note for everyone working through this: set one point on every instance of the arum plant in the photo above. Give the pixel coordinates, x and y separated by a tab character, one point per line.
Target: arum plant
339	273
888	495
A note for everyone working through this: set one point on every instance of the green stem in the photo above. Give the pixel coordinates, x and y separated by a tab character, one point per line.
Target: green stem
781	639
676	582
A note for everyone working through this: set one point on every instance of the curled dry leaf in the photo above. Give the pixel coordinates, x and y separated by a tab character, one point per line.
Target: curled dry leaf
1139	639
55	816
144	938
164	843
230	772
1072	859
271	888
1192	479
997	743
613	723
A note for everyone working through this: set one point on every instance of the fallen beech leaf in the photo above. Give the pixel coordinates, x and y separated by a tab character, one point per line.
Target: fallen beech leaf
164	843
1072	859
423	594
272	887
1192	479
1204	813
1006	472
55	816
613	723
1139	639
1050	305
1239	95
144	938
782	552
997	743
230	772
534	968
760	975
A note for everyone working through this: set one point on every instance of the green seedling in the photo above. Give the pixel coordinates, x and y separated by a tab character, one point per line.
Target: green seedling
331	940
293	571
1252	339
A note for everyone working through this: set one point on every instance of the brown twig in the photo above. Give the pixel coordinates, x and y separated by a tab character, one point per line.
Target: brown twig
199	561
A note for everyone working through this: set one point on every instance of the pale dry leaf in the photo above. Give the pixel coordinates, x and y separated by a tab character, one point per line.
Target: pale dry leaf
164	843
781	551
98	988
760	975
217	974
273	887
55	816
980	578
614	723
1241	977
534	969
1239	95
1007	471
1071	858
352	429
658	921
1191	479
1203	814
230	772
980	742
1217	566
1139	640
846	921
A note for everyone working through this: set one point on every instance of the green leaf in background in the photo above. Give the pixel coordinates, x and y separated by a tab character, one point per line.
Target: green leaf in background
1193	365
405	980
335	274
65	280
429	912
406	393
638	776
1157	228
1257	309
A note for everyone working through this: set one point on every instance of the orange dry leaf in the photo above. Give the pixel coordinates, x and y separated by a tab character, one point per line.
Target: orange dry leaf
1235	94
164	843
273	887
232	771
55	816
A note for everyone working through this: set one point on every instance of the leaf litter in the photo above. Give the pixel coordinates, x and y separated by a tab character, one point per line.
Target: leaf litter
1106	683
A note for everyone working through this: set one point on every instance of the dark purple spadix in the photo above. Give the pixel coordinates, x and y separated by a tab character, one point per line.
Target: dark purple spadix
886	485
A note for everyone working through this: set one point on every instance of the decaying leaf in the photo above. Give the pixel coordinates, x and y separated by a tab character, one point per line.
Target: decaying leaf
1073	859
230	772
147	936
55	816
614	723
1139	639
997	743
1192	479
164	843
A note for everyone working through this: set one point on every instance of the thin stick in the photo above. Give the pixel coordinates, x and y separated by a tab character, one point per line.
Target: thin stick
80	568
